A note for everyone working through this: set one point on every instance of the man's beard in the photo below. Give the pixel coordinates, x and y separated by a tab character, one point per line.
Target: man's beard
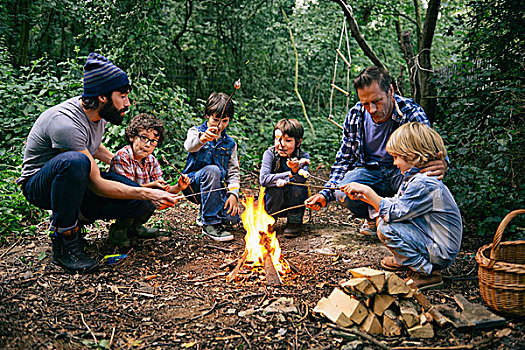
111	114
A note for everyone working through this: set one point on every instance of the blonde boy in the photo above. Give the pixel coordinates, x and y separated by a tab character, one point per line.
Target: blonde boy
421	224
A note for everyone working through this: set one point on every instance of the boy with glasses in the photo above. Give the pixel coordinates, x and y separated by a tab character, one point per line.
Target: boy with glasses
136	162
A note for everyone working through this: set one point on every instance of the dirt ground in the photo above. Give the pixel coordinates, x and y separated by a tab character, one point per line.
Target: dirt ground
171	292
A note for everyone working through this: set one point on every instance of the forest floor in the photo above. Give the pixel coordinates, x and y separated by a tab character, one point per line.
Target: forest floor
171	293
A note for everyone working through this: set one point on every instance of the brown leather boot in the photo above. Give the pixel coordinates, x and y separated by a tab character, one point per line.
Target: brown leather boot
292	230
426	282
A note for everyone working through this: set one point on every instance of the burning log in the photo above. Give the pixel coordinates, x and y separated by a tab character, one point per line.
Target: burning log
262	247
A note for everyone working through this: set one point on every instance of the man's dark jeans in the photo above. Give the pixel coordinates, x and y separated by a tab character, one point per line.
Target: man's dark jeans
385	181
61	186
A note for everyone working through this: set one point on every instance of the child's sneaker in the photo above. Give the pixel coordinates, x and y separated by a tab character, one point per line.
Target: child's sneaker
217	233
426	282
368	228
198	221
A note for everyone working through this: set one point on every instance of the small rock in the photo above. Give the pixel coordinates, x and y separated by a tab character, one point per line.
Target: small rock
281	305
282	331
245	313
231	311
353	345
503	332
27	275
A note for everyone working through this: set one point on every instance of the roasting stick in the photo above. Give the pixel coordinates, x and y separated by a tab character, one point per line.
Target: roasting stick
177	170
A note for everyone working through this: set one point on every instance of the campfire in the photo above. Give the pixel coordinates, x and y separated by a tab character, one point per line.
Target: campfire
262	247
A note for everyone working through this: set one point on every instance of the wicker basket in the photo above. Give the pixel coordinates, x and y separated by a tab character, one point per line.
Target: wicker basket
502	272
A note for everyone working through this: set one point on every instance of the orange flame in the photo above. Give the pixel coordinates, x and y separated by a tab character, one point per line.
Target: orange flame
259	241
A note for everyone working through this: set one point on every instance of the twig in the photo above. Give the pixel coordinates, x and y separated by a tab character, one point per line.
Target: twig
294	207
362	335
305	314
241	334
11	247
340	89
205	313
177	170
111	339
332	120
222	249
228	264
296	88
204	279
89	329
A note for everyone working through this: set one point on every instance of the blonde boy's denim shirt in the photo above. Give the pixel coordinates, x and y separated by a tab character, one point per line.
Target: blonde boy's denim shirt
425	203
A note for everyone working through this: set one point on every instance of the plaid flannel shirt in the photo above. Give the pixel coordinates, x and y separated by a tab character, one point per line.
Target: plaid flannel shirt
124	163
351	150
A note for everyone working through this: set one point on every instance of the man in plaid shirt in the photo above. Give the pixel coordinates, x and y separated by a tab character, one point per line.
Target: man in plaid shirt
362	156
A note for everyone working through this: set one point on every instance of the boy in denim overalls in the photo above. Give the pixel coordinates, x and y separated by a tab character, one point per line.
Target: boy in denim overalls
212	161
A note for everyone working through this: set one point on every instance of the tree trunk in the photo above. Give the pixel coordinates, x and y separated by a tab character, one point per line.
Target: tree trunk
428	89
25	26
413	73
356	33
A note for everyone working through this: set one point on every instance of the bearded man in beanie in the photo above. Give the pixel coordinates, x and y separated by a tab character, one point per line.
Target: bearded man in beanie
59	172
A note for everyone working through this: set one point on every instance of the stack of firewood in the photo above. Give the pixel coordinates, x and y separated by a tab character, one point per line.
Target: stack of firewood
378	302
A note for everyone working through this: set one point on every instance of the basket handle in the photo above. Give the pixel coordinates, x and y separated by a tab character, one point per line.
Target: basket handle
499	233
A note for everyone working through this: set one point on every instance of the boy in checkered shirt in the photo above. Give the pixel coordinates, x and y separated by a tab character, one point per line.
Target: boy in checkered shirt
136	162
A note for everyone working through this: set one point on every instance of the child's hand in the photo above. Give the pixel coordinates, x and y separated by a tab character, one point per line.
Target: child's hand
210	134
355	191
293	164
183	182
303	162
232	205
160	184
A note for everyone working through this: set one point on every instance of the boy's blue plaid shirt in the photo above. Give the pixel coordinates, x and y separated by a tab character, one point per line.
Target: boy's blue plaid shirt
351	150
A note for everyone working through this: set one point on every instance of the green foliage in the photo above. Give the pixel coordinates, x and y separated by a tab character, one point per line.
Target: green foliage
482	119
18	216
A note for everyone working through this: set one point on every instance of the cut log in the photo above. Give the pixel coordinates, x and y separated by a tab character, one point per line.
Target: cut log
372	324
421	331
392	326
272	276
381	303
375	276
409	313
341	308
395	285
332	312
360	287
427	306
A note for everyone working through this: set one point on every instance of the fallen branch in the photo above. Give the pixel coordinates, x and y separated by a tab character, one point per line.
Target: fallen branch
204	279
241	334
362	335
11	247
222	249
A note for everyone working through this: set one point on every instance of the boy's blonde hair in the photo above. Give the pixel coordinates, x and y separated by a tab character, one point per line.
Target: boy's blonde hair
416	143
